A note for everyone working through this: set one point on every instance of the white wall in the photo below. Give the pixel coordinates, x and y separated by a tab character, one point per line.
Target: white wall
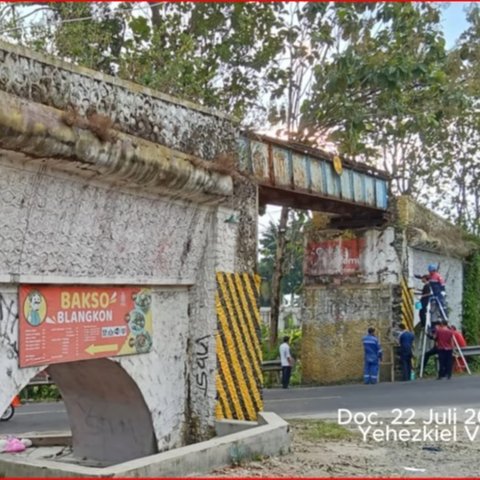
55	225
451	270
380	262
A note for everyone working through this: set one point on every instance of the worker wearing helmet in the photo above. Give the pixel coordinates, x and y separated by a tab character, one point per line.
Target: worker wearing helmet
437	285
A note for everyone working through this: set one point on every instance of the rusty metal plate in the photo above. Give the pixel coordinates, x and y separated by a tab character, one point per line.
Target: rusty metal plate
281	166
259	152
301	171
291	171
317	184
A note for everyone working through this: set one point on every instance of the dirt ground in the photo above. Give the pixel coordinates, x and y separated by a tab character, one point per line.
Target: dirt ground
319	452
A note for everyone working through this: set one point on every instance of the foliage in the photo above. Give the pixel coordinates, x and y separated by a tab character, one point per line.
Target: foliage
474	365
381	92
375	78
292	279
295	334
40	393
471	301
453	170
318	430
431	370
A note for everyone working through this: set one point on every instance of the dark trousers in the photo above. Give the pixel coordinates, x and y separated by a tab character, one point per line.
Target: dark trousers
445	359
423	316
406	364
286	372
433	351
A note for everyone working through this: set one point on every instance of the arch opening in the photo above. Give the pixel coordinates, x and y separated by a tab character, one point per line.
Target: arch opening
109	418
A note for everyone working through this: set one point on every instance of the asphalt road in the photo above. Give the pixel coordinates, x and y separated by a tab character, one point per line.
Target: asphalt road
37	417
462	391
296	402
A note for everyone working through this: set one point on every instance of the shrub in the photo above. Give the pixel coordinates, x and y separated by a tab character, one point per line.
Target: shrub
471	301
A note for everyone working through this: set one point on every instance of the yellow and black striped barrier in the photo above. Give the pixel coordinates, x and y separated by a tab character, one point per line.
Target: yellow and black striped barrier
407	305
239	353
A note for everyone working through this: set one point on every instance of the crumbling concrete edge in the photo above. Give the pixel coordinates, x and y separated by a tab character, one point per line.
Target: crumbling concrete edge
270	437
41	132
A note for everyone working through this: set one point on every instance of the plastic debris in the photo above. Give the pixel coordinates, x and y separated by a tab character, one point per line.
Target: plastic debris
12	444
432	449
413	469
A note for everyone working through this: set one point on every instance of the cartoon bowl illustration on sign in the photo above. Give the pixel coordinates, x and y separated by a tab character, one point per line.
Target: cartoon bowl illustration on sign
143	343
142	301
136	322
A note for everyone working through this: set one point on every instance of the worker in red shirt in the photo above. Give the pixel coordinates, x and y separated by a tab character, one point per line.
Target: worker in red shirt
437	286
444	341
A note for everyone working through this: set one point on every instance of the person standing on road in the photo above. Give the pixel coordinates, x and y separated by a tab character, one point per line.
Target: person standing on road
405	340
444	341
286	361
373	354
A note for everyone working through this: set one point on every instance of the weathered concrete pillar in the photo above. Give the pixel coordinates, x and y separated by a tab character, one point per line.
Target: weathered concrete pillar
336	319
350	278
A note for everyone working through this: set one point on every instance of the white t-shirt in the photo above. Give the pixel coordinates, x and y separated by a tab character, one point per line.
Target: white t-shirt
285	354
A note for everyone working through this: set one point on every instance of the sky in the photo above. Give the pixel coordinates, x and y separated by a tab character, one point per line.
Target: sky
454	21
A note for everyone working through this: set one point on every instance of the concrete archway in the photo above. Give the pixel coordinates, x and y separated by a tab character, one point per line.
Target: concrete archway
109	418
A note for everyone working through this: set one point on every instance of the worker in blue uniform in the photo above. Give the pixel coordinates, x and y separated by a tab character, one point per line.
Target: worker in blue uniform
405	342
373	355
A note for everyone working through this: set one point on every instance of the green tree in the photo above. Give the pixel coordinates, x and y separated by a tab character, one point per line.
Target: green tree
380	97
291	283
454	164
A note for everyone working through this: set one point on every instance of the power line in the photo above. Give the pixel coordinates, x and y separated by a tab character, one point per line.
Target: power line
82	19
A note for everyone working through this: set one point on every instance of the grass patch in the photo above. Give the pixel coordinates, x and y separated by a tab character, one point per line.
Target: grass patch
315	430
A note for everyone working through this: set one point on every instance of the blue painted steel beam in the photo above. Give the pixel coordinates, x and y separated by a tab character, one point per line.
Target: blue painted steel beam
356	184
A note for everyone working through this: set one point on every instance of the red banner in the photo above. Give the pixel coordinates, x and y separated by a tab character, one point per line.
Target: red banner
66	323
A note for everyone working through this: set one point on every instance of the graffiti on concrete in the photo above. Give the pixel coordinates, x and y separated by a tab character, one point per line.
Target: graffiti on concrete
8	325
201	356
99	423
330	305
